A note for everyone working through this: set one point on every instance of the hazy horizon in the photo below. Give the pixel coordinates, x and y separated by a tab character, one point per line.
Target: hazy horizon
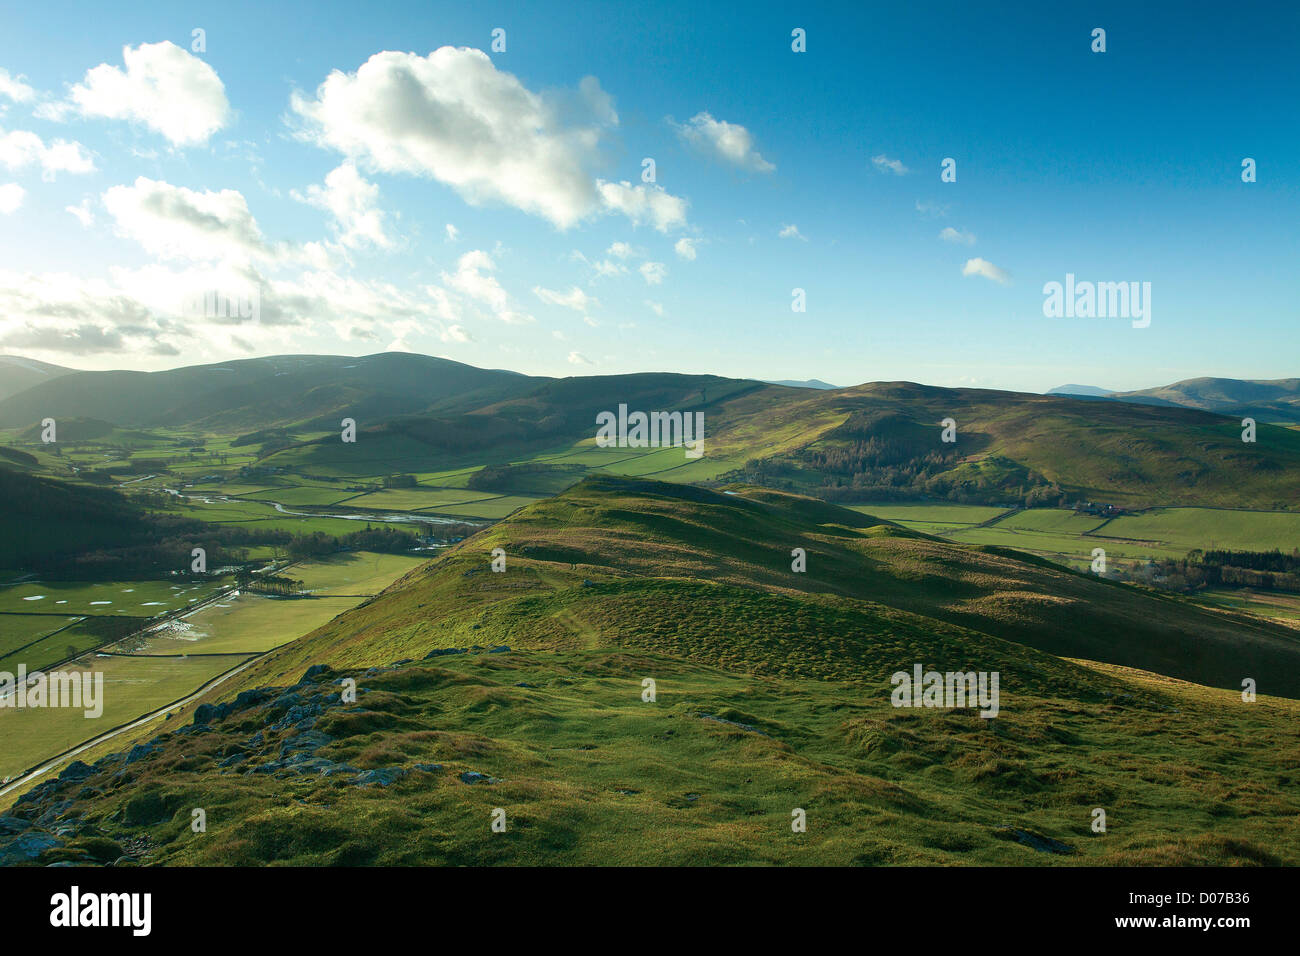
775	379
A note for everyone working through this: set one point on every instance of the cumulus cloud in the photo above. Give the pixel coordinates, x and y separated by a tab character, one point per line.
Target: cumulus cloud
351	200
14	88
11	197
20	149
452	233
644	204
887	165
622	250
454	117
601	268
653	272
157	309
728	142
473	280
685	248
575	298
162	87
956	235
982	267
791	231
577	358
82	213
178	223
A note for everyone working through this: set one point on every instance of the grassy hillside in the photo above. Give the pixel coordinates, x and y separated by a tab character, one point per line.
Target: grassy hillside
256	393
523	690
18	374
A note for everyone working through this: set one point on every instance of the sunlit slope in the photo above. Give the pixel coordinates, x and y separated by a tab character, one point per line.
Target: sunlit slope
1135	455
806	440
691	572
522	690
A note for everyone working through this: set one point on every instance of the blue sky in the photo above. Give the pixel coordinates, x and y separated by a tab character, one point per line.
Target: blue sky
234	168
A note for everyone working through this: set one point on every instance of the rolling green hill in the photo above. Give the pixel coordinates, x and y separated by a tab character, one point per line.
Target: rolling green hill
522	692
257	393
18	374
869	442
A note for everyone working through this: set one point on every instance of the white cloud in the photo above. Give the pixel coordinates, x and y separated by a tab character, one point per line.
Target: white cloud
14	88
11	197
644	204
887	165
601	269
454	117
956	235
20	149
685	248
452	233
178	223
472	280
351	200
575	298
163	87
729	142
932	210
82	212
655	307
456	333
653	272
622	250
151	311
577	358
982	267
791	231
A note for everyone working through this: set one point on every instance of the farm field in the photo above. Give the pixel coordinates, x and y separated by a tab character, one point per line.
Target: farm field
252	623
132	686
930	517
220	635
1069	537
357	572
1206	528
146	598
19	629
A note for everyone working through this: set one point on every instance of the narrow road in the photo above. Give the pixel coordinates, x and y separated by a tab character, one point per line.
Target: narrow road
32	774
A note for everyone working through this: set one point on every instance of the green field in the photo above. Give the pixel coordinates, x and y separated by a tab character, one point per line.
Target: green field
1206	528
251	623
354	573
145	598
132	686
246	624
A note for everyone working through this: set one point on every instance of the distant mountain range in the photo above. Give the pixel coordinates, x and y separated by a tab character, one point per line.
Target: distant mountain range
418	413
1088	390
1271	400
806	383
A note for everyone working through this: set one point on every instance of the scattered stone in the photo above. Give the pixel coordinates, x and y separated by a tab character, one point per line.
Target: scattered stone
316	670
381	777
1035	841
76	771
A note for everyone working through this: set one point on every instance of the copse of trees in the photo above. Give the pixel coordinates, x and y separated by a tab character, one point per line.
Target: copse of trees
1262	570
